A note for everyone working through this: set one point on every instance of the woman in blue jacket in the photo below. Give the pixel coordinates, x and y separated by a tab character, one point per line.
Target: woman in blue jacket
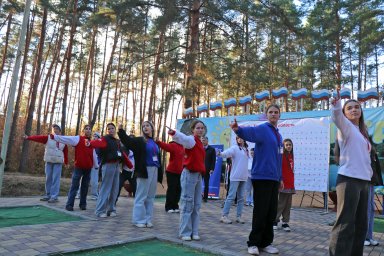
266	177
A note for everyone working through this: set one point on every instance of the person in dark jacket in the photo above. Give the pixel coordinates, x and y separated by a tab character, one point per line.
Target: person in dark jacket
111	158
147	170
210	161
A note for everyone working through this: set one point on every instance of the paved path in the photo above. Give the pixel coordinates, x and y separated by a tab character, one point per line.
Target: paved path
309	236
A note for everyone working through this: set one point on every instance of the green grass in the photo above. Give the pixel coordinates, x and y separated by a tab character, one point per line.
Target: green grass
145	248
32	215
378	226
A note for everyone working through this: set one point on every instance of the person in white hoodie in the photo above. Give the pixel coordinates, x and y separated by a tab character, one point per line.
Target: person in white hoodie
355	172
239	175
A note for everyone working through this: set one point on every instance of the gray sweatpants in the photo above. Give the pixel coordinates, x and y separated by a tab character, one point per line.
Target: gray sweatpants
348	233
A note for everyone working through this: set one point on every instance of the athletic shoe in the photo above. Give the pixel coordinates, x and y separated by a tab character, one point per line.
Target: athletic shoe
53	200
225	220
149	225
186	238
102	215
94	198
253	250
83	207
176	211
240	220
373	242
77	196
170	211
367	243
251	204
69	208
140	225
44	199
274	225
113	214
270	249
196	237
286	227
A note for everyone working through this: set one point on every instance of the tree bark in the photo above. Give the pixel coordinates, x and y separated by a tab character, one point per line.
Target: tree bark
36	80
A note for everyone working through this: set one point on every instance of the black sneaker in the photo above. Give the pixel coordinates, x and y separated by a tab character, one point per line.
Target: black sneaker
83	207
286	227
69	208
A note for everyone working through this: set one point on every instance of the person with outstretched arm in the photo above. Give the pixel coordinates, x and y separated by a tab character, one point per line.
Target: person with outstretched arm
85	159
266	178
55	155
191	180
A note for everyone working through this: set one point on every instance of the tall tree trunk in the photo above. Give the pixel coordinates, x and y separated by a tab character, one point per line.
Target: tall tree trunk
36	80
115	101
16	113
338	45
142	109
105	75
5	51
85	81
160	47
190	87
68	67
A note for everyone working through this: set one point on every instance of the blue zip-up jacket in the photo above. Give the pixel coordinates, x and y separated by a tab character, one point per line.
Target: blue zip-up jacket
267	159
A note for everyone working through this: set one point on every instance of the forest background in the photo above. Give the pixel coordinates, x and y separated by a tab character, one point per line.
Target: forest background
99	61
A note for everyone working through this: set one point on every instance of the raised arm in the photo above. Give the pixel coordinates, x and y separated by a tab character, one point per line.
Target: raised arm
127	141
341	122
184	140
69	140
250	134
37	138
99	143
230	152
166	146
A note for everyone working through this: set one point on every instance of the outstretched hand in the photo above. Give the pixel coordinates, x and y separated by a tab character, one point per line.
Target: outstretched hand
171	131
234	126
334	100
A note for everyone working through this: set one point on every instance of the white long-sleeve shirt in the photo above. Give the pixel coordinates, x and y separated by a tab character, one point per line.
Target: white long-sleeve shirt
355	149
239	171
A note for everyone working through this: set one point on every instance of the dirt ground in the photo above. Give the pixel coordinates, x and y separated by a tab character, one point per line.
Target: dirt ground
16	184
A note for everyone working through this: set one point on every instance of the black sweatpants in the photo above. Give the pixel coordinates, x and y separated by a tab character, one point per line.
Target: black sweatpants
125	175
265	197
173	191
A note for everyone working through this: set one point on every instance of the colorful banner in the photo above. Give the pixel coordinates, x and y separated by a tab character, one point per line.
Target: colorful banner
219	132
214	180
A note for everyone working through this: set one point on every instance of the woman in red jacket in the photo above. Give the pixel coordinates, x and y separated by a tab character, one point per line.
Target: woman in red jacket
194	168
174	169
285	195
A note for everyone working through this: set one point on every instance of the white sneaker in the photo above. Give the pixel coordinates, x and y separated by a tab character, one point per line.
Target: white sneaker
367	243
270	249
240	220
186	238
225	220
275	227
176	210
253	250
102	215
140	225
196	237
149	225
77	197
113	214
94	198
373	242
171	211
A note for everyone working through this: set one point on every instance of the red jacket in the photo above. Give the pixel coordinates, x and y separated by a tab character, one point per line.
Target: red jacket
194	159
83	155
43	139
176	156
288	171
